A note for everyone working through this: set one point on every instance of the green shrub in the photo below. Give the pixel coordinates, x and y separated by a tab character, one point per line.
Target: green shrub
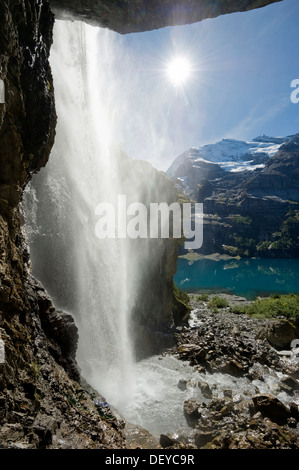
217	302
231	250
246	246
246	220
182	198
180	304
286	240
220	200
263	246
203	297
238	309
270	307
180	294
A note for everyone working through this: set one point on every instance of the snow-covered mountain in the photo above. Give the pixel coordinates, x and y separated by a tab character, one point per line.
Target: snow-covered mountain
229	154
246	213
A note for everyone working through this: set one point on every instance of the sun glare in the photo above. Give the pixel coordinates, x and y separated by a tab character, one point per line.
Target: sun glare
178	70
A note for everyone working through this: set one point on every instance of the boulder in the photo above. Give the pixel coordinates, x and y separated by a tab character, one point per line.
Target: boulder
228	393
232	367
44	426
280	333
290	384
191	351
205	389
294	410
167	441
60	329
191	412
272	408
201	438
182	384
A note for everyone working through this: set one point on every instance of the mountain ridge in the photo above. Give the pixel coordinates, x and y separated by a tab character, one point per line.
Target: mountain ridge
229	151
250	209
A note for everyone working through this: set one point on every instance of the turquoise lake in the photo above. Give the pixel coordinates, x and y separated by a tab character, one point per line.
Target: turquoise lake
245	277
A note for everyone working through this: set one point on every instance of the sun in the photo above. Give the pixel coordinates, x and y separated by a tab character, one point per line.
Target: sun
178	70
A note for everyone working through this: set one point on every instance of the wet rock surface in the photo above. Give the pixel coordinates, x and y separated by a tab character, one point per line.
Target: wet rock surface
245	415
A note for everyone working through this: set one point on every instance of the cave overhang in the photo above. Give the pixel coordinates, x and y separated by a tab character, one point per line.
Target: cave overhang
131	16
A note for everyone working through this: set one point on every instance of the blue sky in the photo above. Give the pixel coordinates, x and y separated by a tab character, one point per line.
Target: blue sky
243	65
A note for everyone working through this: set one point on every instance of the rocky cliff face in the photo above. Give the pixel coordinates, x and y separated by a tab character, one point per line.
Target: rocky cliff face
27	127
126	16
42	404
247	213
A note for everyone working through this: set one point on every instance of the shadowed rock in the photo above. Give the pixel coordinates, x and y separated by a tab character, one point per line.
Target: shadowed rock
272	408
126	16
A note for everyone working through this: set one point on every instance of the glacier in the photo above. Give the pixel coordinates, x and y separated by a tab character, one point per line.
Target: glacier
231	154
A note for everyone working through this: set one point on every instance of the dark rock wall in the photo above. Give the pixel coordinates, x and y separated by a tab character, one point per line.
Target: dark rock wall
128	16
27	119
27	127
27	124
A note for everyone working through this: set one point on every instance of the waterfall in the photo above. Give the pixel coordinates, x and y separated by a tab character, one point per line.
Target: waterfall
87	101
102	283
93	279
118	290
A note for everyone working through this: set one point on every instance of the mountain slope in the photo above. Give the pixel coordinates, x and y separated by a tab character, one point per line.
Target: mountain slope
229	154
250	194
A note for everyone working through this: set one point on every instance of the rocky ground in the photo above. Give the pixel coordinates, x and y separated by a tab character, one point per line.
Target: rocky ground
249	350
259	411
